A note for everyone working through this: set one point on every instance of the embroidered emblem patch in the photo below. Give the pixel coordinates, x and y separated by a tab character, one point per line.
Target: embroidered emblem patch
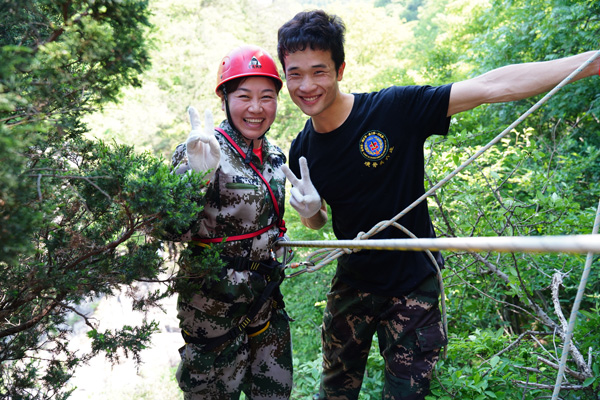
374	146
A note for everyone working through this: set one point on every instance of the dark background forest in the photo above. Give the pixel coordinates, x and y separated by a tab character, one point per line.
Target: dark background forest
93	100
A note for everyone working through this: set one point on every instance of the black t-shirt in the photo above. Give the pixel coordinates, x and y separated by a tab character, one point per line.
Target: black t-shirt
370	169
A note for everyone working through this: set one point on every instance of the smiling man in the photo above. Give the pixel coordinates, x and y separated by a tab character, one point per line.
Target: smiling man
364	152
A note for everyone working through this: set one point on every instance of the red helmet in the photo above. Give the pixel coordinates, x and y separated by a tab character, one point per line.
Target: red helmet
247	60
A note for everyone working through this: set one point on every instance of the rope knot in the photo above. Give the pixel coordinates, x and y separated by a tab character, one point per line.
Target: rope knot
360	236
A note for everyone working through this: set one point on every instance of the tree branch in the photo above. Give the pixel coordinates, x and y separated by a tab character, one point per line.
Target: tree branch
574	374
549	387
33	321
577	356
85	178
85	317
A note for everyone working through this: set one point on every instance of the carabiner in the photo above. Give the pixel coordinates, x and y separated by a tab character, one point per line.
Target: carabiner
306	265
288	253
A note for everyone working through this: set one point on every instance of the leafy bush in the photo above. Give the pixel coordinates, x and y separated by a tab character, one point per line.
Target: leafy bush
76	214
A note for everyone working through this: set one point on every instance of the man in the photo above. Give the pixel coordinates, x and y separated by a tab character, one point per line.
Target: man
365	156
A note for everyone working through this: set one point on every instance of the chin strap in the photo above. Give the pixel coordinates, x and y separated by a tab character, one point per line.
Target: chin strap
248	157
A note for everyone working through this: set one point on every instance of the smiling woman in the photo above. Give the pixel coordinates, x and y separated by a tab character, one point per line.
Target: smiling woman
236	331
253	106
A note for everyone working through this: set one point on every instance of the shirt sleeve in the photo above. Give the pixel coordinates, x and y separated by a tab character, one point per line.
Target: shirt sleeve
426	107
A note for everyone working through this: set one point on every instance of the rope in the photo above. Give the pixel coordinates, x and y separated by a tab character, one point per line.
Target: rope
574	310
334	254
322	260
532	244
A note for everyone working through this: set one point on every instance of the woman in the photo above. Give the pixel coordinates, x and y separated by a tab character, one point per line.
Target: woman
236	332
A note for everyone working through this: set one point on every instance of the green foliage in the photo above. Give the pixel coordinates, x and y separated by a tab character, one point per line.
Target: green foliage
304	294
76	214
130	339
540	30
473	371
514	189
480	366
403	9
540	179
307	377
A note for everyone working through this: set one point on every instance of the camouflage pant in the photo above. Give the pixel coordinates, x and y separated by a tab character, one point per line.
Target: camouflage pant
410	335
258	365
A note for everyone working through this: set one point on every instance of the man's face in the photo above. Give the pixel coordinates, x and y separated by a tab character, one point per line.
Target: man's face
312	80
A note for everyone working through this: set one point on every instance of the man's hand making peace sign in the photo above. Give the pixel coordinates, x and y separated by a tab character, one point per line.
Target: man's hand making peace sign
303	197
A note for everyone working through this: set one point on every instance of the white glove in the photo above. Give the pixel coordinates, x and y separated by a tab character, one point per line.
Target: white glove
203	150
303	196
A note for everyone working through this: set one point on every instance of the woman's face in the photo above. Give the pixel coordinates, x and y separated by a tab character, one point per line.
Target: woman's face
253	106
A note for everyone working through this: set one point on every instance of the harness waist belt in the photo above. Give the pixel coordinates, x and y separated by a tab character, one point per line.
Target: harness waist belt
201	241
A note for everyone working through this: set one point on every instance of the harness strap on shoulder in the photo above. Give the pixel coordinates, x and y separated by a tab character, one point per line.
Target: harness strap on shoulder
280	221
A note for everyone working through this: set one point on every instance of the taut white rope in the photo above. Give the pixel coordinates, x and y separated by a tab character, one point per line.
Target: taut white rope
570	244
575	310
528	244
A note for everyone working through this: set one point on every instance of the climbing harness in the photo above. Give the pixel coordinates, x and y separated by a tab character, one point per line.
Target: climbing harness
279	221
200	241
271	291
264	267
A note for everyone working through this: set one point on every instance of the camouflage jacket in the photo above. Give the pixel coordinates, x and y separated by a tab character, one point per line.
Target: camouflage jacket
237	201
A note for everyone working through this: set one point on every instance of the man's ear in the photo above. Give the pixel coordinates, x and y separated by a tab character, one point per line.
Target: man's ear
340	72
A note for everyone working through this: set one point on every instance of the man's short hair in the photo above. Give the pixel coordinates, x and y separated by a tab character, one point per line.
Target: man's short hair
315	29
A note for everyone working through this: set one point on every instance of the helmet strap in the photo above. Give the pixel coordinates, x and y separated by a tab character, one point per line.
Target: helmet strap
248	158
225	97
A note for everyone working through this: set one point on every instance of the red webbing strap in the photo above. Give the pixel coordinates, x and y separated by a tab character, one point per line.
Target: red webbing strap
234	144
281	223
231	238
